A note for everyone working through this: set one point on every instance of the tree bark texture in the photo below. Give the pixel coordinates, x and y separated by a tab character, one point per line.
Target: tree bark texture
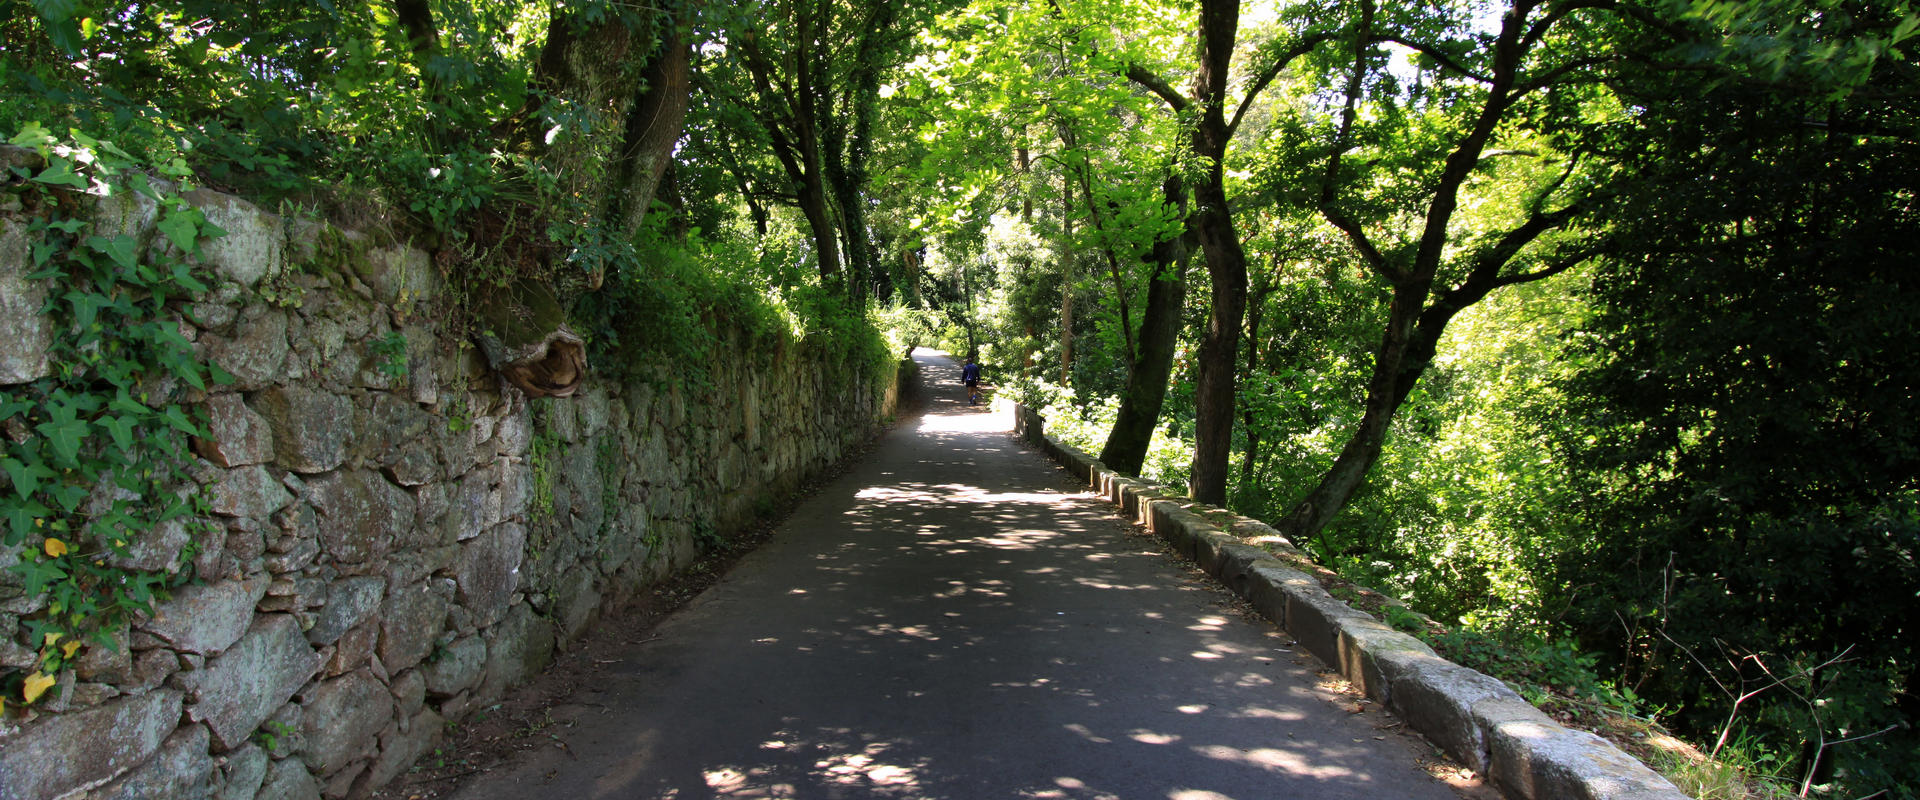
1126	447
653	127
1212	222
1067	278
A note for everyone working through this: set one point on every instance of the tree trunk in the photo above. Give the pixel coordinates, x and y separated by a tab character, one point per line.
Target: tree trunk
653	128
1250	457
813	205
1413	327
849	145
1066	278
1212	220
1126	447
1214	384
787	111
1406	349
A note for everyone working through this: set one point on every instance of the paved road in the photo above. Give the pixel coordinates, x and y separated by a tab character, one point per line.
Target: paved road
954	619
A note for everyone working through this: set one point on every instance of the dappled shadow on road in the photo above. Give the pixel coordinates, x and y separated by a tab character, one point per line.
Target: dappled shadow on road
968	630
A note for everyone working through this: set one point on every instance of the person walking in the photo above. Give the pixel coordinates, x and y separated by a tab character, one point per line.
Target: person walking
970	375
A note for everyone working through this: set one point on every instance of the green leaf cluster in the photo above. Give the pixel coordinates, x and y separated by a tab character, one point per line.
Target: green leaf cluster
95	453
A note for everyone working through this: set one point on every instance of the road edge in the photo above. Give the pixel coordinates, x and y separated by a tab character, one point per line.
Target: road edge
1473	717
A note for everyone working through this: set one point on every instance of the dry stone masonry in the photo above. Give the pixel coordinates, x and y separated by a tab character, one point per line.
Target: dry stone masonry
394	551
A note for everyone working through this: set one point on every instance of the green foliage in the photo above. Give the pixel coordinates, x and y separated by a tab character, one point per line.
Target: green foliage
543	453
1742	440
1543	668
663	315
272	734
391	353
95	454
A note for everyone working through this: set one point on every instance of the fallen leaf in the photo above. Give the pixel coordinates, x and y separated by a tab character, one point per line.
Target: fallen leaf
36	685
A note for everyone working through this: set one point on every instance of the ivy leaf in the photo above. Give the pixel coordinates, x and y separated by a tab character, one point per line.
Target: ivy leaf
9	407
125	404
121	429
35	575
21	521
190	373
65	438
86	308
119	248
26	477
69	496
182	228
59	172
35	685
183	276
32	135
179	421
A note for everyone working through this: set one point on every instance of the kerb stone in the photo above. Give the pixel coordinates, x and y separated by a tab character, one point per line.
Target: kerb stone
1539	759
1437	698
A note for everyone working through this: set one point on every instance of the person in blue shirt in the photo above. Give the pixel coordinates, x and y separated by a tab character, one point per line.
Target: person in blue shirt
970	375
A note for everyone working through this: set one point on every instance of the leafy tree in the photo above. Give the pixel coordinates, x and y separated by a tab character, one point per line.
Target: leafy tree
1436	145
1748	449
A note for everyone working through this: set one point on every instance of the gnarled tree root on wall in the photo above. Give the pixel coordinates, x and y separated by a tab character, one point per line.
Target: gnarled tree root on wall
526	341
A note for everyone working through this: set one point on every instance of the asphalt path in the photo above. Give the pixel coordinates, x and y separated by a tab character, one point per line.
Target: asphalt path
954	618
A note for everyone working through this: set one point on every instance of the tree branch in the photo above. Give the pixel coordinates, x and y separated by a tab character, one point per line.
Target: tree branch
1267	75
1375	259
1571	260
1550	77
1436	54
1545	24
1153	83
1485	275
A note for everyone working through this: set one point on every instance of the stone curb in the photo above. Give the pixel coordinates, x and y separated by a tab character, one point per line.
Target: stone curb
1473	717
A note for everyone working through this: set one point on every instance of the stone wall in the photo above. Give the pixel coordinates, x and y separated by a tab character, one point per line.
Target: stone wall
393	550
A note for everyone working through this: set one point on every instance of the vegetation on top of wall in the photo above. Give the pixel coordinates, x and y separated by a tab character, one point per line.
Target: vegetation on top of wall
95	453
668	302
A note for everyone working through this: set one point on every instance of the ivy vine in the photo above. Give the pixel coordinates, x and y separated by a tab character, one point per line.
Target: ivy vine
95	453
